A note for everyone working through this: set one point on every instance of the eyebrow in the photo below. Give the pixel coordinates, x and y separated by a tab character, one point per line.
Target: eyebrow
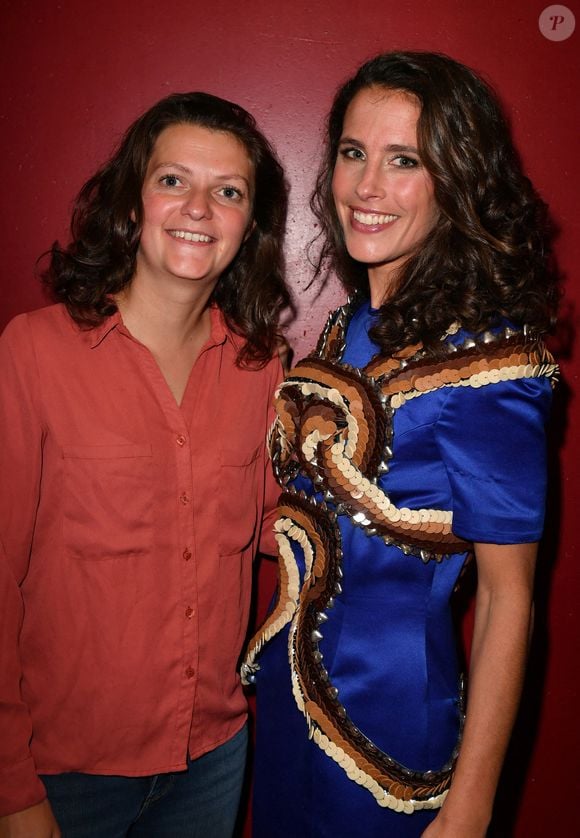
391	147
186	170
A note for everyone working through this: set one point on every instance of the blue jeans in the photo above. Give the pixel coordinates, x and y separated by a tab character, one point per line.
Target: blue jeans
201	802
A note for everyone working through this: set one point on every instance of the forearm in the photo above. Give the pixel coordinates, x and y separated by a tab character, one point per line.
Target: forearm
494	694
19	783
35	822
498	658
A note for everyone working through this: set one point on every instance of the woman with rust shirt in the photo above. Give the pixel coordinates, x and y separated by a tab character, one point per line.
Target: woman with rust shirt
133	484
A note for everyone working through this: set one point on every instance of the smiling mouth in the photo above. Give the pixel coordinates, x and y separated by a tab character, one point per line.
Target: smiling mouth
190	237
372	219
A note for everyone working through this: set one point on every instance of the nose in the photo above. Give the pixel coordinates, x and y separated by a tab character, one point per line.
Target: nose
371	183
197	205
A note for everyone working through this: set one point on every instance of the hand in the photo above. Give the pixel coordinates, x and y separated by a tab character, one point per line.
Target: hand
35	822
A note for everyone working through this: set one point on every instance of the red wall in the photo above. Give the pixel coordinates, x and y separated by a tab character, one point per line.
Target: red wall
75	74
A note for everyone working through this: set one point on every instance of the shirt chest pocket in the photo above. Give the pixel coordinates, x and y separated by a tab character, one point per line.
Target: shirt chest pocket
238	499
108	501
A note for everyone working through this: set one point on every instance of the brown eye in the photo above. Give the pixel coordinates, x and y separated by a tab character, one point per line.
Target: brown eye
231	192
351	153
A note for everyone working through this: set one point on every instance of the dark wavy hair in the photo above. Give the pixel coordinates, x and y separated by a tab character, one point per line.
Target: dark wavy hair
488	256
108	215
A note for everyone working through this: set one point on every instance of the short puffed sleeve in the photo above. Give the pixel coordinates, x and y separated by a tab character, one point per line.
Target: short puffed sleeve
492	442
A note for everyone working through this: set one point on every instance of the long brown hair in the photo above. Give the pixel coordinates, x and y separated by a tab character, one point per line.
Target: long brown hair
108	215
487	258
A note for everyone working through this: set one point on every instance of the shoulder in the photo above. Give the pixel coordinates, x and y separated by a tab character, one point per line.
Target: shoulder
504	353
50	319
491	434
331	341
221	332
42	338
497	394
474	368
28	341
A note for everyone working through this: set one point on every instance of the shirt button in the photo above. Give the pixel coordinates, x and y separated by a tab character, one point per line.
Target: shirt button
187	554
189	612
190	671
180	440
184	498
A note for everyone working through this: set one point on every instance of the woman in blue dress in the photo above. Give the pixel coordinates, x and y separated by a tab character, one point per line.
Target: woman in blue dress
410	440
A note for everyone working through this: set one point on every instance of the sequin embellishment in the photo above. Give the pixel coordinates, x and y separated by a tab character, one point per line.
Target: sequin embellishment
334	426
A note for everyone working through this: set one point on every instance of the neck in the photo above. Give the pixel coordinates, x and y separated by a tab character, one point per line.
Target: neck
162	317
384	279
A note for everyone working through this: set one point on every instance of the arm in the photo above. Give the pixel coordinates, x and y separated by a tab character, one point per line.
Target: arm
503	617
35	822
20	467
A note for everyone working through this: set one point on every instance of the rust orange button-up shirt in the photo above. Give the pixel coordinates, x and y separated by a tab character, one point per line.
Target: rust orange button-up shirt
128	526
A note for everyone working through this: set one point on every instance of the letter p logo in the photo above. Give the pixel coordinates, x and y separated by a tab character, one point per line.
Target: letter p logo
556	23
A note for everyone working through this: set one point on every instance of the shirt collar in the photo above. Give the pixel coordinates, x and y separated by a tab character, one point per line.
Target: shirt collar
220	332
96	335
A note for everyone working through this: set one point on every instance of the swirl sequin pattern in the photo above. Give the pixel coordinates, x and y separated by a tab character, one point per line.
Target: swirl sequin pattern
334	426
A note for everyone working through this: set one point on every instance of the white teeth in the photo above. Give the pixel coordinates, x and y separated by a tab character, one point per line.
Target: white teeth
372	219
189	237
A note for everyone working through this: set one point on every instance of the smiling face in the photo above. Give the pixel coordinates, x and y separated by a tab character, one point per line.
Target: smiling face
383	195
197	205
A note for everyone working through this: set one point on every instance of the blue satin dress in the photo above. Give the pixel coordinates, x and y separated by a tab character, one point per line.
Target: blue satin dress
388	642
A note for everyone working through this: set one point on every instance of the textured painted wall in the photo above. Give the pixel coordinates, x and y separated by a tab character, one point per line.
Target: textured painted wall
74	75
